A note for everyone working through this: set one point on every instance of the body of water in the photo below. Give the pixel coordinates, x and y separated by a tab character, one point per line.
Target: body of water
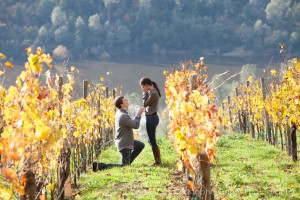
127	70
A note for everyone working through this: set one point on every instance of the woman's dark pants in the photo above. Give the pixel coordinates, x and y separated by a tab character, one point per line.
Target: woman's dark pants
151	124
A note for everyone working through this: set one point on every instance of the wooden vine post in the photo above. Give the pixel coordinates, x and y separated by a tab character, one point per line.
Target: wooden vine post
65	154
60	95
90	150
30	189
83	146
206	192
107	132
114	96
268	128
113	127
99	141
239	112
250	115
109	137
106	92
294	142
229	112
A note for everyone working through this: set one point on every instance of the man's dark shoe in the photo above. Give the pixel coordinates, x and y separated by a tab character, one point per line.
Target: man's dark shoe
95	166
98	166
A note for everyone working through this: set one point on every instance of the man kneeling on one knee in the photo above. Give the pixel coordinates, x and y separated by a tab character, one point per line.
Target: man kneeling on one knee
124	139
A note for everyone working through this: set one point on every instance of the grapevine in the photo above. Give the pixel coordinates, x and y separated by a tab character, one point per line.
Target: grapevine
276	112
194	120
40	122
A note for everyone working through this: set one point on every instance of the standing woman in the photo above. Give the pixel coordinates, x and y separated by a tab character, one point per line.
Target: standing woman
151	95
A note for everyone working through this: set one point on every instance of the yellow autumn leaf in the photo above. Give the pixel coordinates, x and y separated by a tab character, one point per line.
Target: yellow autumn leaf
282	45
39	51
47	59
41	130
179	166
108	73
202	61
192	148
76	134
5	194
102	79
166	73
182	145
33	59
197	66
28	50
273	72
250	79
9	174
190	185
2	56
50	187
64	132
18	83
72	68
295	60
37	68
9	64
1	73
69	77
20	189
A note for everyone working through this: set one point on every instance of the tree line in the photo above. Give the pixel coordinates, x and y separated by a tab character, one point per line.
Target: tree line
97	29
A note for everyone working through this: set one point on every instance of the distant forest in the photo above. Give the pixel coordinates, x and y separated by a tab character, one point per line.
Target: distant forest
97	29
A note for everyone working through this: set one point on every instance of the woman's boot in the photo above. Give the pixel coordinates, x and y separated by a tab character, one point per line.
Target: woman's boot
156	153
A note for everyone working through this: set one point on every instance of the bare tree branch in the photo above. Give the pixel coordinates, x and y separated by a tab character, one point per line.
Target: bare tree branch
232	76
219	75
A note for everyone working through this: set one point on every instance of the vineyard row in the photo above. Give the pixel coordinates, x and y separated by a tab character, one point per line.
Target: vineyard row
268	108
48	138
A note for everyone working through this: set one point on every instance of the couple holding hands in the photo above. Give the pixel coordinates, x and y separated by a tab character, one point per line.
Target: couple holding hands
124	140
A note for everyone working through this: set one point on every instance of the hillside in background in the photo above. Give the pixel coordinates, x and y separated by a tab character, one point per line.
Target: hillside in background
98	29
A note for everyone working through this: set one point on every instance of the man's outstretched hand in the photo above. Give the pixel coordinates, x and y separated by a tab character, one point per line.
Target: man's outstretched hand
140	111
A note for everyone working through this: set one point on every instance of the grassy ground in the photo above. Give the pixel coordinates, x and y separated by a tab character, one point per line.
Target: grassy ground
138	181
250	169
244	169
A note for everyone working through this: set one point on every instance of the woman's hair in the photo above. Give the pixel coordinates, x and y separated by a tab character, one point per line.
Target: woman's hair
118	101
147	81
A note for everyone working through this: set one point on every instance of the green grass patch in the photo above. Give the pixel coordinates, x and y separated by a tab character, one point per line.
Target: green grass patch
244	169
251	169
138	181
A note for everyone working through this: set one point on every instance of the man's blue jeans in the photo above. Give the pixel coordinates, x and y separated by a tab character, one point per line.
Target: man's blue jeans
128	155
